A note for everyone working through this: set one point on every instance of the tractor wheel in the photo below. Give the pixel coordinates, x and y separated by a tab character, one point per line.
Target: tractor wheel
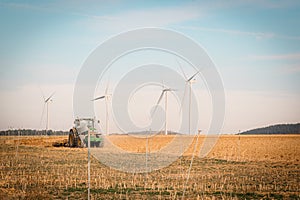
79	142
71	140
92	144
97	144
101	143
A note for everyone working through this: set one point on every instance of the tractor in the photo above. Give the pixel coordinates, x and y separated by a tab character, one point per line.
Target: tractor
78	135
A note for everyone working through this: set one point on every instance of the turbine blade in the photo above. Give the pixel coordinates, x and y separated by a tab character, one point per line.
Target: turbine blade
98	98
106	89
49	97
182	101
42	93
160	98
185	77
42	116
193	76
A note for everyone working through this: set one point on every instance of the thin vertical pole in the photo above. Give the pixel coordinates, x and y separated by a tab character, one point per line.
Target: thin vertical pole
89	164
190	167
107	123
147	153
190	103
166	111
239	143
47	125
18	143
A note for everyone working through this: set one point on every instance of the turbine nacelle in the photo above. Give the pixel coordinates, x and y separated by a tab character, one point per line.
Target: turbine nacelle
192	78
192	81
168	90
107	96
49	98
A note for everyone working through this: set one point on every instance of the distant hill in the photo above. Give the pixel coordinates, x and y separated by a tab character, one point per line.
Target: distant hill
276	129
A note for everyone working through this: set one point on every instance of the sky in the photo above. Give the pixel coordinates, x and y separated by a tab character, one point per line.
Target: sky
255	46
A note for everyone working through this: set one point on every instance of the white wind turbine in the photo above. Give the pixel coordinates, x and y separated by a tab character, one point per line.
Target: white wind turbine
188	81
107	98
164	92
46	103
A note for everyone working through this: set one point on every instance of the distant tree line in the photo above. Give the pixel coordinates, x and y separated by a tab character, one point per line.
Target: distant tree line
276	129
16	132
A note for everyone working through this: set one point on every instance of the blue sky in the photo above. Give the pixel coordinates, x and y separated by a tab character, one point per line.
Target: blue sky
254	44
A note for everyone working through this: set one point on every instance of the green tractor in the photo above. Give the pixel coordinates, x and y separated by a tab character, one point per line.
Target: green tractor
95	139
78	135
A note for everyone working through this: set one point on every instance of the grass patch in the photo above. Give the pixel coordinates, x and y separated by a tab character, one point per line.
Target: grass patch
248	195
276	196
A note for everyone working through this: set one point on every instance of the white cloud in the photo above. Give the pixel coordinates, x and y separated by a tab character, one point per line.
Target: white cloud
155	17
290	68
292	56
295	68
257	35
274	4
270	4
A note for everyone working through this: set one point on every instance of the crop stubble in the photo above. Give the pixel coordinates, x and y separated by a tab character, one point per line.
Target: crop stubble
252	167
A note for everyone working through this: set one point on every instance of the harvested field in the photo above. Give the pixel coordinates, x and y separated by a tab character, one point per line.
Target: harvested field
245	167
228	147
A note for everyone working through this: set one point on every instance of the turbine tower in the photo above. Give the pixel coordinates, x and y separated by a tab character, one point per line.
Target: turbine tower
164	92
188	81
46	103
106	97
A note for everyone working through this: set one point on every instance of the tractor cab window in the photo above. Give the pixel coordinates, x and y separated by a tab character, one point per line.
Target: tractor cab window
90	124
77	123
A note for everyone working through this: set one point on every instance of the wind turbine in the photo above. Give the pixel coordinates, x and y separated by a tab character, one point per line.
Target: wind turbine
188	81
164	92
46	103
106	97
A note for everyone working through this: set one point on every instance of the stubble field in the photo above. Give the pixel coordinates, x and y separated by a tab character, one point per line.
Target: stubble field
238	167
